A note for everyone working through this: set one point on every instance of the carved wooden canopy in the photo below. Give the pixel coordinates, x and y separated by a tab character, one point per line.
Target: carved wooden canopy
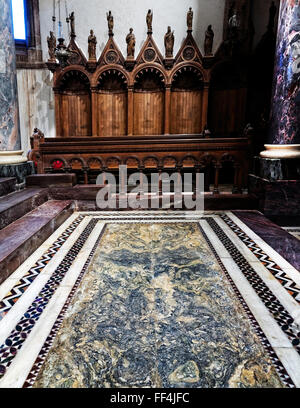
110	95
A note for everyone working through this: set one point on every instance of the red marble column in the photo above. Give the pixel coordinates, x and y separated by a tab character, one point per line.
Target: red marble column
285	115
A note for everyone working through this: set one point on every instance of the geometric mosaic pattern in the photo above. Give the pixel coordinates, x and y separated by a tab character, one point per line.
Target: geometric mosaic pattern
292	288
283	318
265	342
49	341
17	291
14	342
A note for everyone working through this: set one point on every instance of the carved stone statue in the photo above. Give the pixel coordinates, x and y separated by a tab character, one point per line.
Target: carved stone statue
208	43
248	131
149	18
233	26
92	40
189	19
51	40
72	23
110	22
130	40
169	42
233	21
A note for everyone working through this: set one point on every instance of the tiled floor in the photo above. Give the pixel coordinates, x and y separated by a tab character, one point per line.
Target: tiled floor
152	299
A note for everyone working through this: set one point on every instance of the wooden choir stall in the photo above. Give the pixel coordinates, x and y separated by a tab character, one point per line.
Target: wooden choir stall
151	113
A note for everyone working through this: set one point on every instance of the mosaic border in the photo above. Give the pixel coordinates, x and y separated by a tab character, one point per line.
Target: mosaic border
10	299
277	311
19	334
30	380
14	342
284	376
289	285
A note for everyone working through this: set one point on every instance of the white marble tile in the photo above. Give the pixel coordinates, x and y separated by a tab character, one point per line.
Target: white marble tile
290	356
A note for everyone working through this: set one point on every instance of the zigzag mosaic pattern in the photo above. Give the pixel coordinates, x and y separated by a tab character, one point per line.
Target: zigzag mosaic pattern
266	344
278	312
14	342
286	379
17	291
292	288
50	339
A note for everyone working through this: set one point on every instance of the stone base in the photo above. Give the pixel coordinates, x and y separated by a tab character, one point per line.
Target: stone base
276	184
277	169
291	151
276	198
19	171
12	157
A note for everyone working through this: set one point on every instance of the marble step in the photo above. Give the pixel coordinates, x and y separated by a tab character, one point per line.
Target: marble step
17	204
224	202
216	202
21	238
51	180
7	185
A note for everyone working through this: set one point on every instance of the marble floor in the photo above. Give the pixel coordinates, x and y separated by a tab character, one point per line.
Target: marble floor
295	231
152	299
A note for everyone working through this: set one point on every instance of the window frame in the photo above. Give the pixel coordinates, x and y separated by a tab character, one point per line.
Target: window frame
29	51
19	41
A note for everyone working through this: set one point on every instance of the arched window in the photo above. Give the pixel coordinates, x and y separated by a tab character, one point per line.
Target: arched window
19	20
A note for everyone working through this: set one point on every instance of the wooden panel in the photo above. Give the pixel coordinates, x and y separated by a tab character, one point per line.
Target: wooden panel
186	112
112	114
227	110
148	113
75	115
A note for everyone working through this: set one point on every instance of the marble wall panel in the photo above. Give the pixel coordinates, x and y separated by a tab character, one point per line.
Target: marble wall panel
285	118
9	117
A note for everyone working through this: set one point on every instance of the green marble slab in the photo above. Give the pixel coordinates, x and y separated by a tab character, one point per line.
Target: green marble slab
155	310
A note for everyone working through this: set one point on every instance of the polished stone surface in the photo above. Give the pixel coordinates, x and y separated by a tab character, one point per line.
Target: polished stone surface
9	116
277	169
51	180
19	203
279	239
7	185
19	171
280	198
21	238
156	310
284	121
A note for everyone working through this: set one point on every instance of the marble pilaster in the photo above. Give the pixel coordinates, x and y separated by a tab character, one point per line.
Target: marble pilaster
9	117
10	141
285	112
